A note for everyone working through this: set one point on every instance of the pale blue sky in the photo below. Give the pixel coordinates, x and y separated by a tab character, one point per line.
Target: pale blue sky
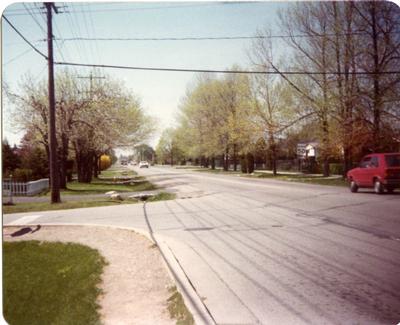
160	91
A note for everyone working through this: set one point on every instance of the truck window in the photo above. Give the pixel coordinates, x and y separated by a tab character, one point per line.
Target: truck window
392	160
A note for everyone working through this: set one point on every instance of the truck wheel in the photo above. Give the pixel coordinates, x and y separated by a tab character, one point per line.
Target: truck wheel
378	187
353	186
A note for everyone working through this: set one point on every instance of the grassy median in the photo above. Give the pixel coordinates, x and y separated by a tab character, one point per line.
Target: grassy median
101	186
51	283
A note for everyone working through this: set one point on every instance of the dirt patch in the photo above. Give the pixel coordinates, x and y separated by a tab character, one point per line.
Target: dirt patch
135	282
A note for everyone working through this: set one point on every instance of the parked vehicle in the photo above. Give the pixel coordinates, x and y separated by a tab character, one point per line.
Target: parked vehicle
143	164
380	171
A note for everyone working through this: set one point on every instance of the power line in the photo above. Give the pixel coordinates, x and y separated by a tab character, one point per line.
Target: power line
18	56
221	71
34	18
206	38
98	52
77	45
22	36
17	12
166	38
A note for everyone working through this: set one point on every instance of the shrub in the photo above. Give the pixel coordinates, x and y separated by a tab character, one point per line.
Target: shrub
336	168
105	162
22	175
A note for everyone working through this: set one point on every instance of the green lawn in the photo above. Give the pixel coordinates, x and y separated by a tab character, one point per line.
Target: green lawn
45	206
51	283
217	171
162	196
110	173
301	178
99	186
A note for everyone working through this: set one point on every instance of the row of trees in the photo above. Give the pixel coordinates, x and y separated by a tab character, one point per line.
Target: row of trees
24	163
345	96
90	122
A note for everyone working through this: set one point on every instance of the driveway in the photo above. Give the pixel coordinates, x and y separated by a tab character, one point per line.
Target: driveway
271	252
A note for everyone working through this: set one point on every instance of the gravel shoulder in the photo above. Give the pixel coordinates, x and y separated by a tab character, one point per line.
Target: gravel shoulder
135	281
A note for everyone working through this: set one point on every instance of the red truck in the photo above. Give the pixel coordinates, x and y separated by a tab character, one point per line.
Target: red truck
380	171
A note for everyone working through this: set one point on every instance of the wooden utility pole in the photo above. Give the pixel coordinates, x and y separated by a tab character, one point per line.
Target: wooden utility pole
54	176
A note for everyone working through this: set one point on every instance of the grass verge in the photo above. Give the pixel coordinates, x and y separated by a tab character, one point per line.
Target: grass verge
217	171
51	283
290	177
177	308
45	206
304	178
162	196
109	173
99	186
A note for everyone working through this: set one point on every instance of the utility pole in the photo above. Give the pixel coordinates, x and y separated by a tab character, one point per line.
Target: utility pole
91	77
54	177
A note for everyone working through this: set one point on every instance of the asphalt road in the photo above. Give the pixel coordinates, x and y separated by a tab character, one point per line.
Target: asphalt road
269	252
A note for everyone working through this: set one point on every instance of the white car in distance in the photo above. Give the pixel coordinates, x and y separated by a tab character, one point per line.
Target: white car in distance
143	164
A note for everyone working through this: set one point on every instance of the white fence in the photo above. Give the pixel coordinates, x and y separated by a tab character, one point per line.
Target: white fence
29	188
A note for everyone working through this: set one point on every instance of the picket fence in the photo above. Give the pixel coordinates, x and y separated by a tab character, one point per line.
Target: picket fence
28	188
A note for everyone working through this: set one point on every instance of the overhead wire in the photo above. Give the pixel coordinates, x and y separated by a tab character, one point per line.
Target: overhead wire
34	18
23	37
18	56
87	31
78	45
79	31
98	52
17	12
208	38
197	70
222	71
59	49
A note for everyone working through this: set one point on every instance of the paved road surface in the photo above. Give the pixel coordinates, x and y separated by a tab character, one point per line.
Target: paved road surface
270	252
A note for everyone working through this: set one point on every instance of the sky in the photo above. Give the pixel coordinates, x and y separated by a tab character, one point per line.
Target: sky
160	92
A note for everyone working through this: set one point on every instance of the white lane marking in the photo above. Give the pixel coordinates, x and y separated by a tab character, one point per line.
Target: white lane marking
24	220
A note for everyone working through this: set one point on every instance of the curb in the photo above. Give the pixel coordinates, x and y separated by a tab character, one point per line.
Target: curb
199	311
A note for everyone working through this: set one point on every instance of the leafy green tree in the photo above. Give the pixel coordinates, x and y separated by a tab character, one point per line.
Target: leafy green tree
87	125
11	160
168	150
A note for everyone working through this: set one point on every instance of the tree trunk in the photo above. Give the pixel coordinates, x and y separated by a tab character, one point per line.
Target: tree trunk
325	148
234	157
274	172
225	158
272	152
95	166
84	162
250	163
212	162
377	93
